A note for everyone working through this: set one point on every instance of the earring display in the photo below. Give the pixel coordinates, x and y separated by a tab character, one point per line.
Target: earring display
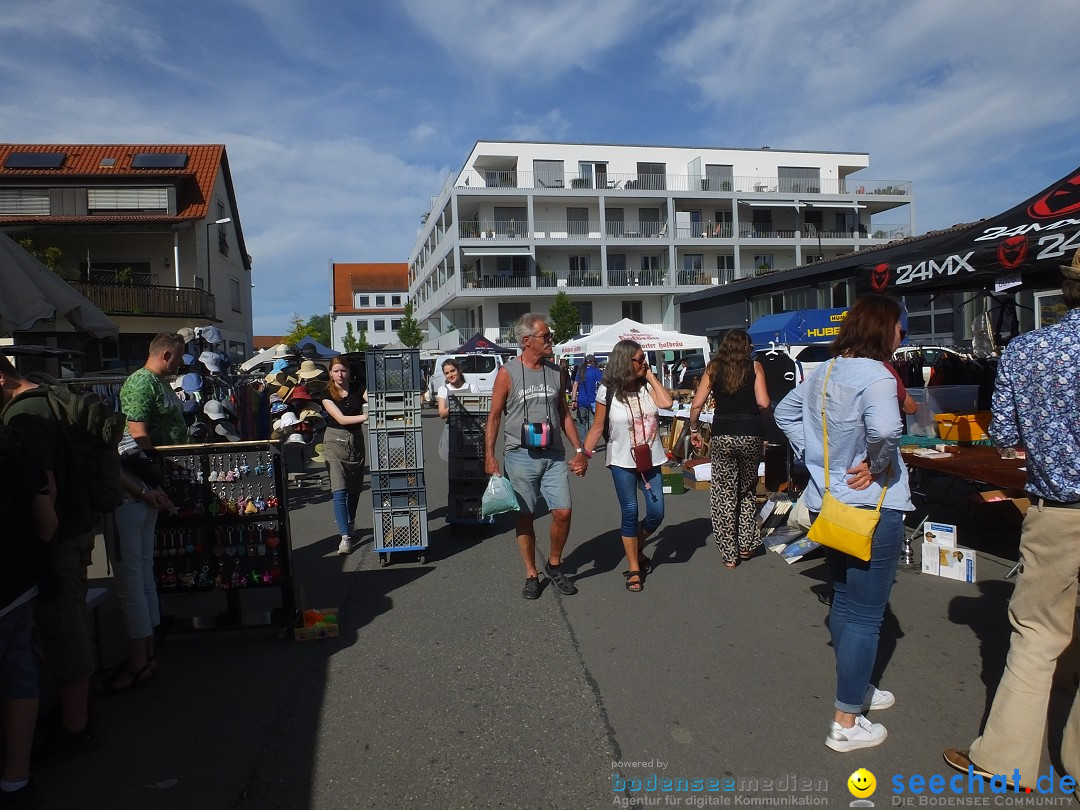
222	555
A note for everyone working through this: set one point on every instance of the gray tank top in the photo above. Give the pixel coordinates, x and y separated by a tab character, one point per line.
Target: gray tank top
542	388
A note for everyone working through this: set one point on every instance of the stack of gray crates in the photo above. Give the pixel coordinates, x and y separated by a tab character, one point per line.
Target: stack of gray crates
465	460
396	453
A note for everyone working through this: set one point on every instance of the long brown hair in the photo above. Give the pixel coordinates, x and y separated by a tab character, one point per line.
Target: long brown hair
620	373
731	365
869	329
333	389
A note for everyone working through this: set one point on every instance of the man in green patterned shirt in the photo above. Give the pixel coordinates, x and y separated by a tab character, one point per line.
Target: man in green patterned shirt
151	406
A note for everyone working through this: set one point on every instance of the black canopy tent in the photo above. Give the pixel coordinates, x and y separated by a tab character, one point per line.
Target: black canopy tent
1018	249
478	344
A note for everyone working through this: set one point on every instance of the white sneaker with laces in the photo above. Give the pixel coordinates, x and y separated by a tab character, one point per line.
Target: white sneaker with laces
863	734
880	699
345	546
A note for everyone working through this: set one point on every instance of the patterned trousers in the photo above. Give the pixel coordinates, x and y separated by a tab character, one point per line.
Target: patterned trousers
735	461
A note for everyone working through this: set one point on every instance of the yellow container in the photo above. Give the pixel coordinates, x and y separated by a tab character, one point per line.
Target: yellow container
963	427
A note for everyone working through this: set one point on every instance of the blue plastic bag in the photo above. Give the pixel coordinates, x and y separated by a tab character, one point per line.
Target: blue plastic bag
498	497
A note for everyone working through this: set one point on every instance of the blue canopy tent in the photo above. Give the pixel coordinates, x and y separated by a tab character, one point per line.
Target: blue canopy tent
801	327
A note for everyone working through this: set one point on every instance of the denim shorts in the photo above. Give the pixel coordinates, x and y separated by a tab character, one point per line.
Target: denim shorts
536	473
18	670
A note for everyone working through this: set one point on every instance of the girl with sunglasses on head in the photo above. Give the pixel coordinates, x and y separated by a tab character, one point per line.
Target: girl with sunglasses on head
628	402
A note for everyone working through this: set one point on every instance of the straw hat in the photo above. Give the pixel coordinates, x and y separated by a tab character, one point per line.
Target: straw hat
310	371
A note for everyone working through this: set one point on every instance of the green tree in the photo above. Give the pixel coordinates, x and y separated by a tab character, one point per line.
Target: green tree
51	257
409	332
349	341
321	326
299	331
362	344
564	317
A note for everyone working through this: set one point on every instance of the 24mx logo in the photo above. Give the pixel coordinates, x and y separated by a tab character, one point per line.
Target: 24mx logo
927	269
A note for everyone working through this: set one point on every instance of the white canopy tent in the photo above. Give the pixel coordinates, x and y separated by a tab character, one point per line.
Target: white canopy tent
651	340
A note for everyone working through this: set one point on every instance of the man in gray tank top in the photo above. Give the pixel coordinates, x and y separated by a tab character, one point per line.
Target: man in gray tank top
529	393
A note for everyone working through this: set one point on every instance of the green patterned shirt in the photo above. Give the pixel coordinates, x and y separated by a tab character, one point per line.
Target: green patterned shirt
146	397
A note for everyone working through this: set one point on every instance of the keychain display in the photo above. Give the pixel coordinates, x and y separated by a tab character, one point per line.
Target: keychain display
225	530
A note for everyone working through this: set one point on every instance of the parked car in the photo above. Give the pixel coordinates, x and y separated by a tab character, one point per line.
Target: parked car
687	371
930	356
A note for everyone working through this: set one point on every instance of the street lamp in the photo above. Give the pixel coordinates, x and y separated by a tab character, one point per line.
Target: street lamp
209	225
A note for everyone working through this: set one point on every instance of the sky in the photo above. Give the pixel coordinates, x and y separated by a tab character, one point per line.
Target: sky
342	117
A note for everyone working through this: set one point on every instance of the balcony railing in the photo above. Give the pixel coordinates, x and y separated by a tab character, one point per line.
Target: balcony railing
704	230
474	281
510	178
765	232
149	301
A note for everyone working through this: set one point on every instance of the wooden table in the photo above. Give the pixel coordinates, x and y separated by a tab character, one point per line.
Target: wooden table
976	463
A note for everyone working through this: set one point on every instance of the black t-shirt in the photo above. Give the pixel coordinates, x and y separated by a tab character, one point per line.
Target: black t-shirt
737	414
351	405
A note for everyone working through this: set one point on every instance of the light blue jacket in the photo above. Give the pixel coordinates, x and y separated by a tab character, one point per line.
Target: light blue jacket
864	423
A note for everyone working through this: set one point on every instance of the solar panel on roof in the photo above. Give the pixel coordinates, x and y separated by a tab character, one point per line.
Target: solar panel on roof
159	160
35	160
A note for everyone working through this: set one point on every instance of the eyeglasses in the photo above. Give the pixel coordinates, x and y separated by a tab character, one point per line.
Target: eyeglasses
546	337
640	360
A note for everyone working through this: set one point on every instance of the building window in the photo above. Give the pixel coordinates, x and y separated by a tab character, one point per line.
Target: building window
585	317
930	317
363	301
395	324
26	201
693	261
222	237
237	351
378	325
764	261
632	310
121	200
361	325
651	176
800	298
718	177
234	294
548	173
799	179
725	269
380	300
395	300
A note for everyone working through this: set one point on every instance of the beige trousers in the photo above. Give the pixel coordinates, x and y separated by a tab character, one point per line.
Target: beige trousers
1042	613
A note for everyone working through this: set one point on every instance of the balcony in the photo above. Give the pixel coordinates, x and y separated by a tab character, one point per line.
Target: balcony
704	230
496	281
499	181
149	300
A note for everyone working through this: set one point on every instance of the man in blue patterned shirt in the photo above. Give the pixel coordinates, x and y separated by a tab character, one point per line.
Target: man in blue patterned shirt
1036	405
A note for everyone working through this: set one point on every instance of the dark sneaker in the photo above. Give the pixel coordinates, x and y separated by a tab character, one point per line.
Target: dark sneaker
63	745
555	573
532	588
24	798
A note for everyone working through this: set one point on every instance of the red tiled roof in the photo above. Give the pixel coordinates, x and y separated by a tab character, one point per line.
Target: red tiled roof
261	342
367	276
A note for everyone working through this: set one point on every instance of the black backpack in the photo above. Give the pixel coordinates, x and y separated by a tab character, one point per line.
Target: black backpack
88	483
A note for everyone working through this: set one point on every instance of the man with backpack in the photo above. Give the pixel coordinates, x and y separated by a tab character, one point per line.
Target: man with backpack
83	482
583	395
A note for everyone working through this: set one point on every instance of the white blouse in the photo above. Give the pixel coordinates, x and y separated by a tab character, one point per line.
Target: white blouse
633	422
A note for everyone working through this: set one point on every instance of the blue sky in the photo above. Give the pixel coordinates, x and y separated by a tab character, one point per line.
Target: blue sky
341	119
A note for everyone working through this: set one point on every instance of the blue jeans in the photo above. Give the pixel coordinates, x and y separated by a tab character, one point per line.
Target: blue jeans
627	482
583	415
345	503
860	594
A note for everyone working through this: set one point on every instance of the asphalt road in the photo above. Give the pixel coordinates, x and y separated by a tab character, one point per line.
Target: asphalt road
447	689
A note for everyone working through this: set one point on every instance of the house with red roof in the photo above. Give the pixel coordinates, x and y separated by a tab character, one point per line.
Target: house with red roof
150	233
368	297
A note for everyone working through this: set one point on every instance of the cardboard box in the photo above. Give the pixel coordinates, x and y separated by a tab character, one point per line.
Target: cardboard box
943	534
951	562
963	427
690	482
317	623
673	483
997	509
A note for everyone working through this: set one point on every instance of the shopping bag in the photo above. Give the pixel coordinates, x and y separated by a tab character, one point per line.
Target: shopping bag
845	528
498	497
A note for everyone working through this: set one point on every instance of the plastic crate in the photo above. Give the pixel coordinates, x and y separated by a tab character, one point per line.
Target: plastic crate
469	405
395	449
393	490
401	529
466	509
393	410
393	370
467	442
466	467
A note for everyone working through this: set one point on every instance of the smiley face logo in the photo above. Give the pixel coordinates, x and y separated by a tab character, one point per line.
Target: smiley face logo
862	784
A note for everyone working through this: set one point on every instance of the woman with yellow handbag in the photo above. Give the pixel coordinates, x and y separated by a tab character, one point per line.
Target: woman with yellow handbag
844	423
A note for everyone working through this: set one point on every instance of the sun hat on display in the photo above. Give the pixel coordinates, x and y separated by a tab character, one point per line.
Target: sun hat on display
191	382
211	334
299	394
309	370
212	361
186	333
1072	271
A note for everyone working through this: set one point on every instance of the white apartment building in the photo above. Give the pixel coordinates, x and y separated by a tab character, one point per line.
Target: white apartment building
624	229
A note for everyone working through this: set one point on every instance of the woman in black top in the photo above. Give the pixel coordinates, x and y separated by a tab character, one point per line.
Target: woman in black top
737	383
343	447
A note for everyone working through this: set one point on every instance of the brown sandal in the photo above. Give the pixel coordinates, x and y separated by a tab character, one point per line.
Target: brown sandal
634	587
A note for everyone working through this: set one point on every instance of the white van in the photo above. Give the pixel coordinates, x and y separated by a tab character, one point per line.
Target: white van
479	369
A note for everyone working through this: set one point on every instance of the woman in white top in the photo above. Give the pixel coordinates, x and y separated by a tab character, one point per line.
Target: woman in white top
455	384
627	405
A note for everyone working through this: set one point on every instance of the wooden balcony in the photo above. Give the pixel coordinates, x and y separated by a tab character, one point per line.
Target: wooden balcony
149	300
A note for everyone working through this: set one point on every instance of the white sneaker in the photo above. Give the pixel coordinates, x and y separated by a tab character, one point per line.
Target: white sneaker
879	700
345	546
863	734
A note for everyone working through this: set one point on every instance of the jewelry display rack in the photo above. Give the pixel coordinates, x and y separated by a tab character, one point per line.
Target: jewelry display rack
223	554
